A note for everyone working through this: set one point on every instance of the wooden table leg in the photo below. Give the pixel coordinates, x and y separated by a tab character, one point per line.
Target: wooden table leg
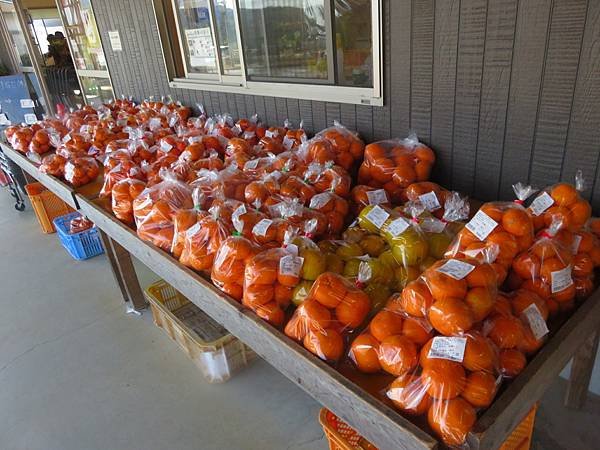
581	372
124	272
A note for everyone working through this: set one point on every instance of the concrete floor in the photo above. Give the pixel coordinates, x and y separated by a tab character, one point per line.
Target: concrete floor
77	373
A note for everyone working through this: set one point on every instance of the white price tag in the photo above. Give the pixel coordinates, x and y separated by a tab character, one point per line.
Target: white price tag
288	143
271	134
165	146
456	269
292	249
377	197
251	165
115	41
290	265
260	228
432	225
541	203
192	230
67	138
561	279
84	129
451	348
481	225
239	211
26	103
30	119
576	243
377	216
397	226
536	321
430	201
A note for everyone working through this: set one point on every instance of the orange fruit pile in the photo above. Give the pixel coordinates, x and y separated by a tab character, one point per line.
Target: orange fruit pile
451	303
362	195
269	281
40	142
203	240
347	147
327	178
123	194
126	169
53	165
333	307
391	341
563	202
395	164
511	231
334	208
230	264
80	171
449	387
546	270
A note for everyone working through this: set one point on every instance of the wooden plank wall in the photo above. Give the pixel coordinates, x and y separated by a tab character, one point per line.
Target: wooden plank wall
503	90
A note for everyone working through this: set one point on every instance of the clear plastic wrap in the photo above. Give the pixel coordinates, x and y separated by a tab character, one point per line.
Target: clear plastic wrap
156	206
505	224
347	146
80	171
363	195
546	268
79	224
126	169
395	164
203	240
308	221
329	178
333	308
124	192
53	165
230	262
432	195
561	201
40	143
335	209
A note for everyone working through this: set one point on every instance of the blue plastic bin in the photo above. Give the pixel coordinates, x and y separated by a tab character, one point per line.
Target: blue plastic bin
80	246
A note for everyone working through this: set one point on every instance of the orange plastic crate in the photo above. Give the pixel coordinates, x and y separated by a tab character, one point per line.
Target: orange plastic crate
342	437
46	206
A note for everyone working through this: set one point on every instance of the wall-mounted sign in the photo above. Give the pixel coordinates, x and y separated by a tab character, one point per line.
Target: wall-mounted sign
115	41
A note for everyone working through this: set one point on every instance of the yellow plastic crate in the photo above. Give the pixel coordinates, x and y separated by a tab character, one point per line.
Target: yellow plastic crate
217	353
46	206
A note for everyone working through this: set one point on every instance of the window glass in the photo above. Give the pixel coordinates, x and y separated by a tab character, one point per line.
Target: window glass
353	41
96	90
196	36
14	28
228	39
83	34
285	39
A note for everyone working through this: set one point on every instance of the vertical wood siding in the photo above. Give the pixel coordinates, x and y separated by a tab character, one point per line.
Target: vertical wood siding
503	90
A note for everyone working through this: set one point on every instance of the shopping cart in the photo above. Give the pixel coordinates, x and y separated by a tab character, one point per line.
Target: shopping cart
14	180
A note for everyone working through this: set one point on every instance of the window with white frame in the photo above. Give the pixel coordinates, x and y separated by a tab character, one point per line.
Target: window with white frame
313	49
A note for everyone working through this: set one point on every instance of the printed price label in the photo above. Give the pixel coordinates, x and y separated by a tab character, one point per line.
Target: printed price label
192	230
451	348
271	134
377	197
397	227
430	201
26	103
290	265
240	210
251	165
260	229
576	242
541	203
30	119
377	216
481	225
432	225
456	269
84	129
165	146
536	321
288	142
561	279
67	138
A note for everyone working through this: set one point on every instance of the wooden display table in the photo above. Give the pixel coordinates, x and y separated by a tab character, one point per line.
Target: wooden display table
371	416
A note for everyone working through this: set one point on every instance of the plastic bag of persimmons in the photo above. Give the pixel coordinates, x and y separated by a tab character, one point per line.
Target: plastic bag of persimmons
449	339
